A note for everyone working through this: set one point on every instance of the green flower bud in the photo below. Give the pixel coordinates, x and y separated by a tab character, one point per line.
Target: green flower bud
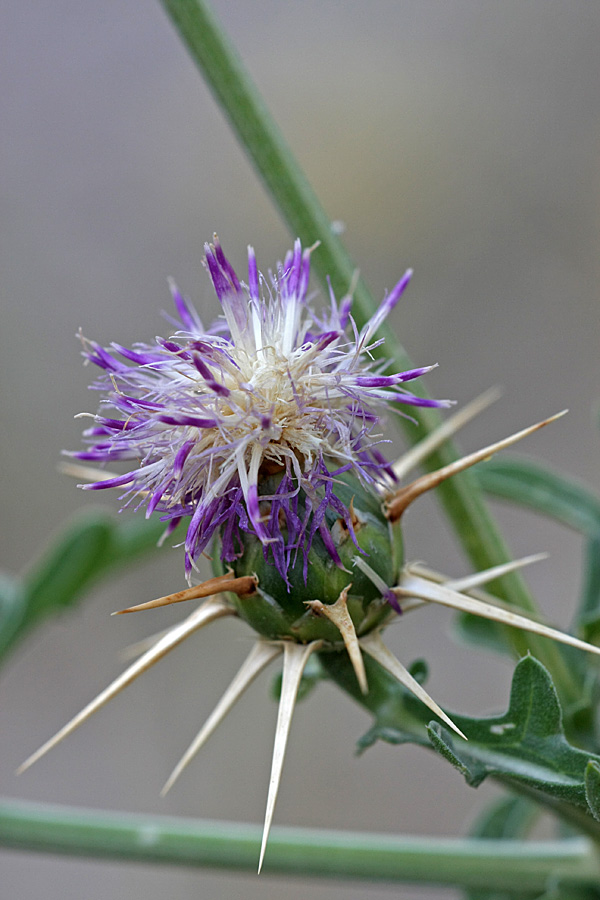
279	611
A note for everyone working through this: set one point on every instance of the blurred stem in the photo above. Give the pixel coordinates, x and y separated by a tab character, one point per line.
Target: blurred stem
299	206
473	863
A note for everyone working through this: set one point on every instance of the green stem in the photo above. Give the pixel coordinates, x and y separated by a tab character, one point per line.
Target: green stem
259	134
500	865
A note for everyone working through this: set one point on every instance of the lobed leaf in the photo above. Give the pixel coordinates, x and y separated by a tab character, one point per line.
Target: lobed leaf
526	746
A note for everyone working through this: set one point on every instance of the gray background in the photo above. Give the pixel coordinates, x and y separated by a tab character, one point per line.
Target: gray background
460	138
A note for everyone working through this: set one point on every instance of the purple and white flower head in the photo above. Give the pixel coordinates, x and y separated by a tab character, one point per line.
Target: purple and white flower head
263	431
209	416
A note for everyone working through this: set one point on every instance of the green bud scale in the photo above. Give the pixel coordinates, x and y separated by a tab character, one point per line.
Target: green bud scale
278	610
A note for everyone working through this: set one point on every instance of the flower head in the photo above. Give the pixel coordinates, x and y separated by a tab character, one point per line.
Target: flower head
348	617
263	430
245	427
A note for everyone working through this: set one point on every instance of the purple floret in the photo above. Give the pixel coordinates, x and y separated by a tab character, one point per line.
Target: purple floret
207	416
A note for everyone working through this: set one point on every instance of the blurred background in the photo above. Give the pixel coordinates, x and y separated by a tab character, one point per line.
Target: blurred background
460	138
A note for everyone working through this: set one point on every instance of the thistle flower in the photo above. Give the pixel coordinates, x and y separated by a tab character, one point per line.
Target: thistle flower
263	431
273	393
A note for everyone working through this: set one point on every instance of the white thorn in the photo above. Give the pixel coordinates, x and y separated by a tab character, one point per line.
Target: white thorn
469	584
208	612
338	614
475	580
406	495
260	656
294	661
374	646
410	460
371	574
413	586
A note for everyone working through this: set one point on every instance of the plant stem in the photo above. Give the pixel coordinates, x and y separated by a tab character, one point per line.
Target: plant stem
259	134
473	863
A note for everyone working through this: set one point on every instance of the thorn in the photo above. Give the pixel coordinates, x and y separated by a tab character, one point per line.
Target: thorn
208	612
241	586
259	657
406	495
374	646
371	574
414	586
410	460
294	661
338	614
470	582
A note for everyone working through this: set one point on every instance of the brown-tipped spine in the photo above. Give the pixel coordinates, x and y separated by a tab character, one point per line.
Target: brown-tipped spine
406	495
246	585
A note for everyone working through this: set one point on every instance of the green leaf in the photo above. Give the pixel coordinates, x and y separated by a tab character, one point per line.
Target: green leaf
526	746
71	562
587	620
11	606
592	787
543	490
62	572
91	546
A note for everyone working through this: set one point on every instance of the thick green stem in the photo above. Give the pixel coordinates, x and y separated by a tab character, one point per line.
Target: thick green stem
500	865
258	133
